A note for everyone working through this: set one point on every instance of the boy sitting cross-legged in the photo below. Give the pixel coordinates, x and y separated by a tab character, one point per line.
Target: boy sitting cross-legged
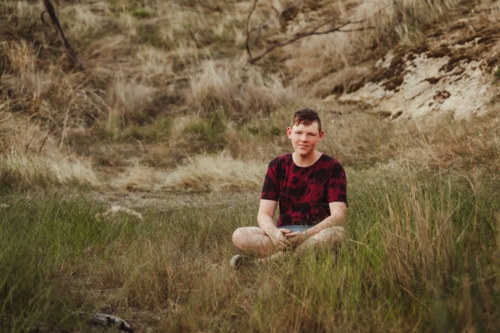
311	190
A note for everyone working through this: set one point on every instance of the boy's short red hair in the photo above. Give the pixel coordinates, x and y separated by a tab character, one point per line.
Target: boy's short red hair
307	117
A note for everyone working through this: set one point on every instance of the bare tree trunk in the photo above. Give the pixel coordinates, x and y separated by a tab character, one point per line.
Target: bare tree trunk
55	22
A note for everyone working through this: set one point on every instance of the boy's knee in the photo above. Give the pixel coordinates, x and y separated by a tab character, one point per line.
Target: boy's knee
338	229
339	232
238	237
335	234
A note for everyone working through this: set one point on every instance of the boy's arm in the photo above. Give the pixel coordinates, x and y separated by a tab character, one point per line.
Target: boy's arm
265	216
338	210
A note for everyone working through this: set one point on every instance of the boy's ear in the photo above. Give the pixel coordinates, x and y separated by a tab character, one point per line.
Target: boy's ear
288	131
321	134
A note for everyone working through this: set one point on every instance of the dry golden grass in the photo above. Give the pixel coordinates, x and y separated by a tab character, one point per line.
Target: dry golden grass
27	14
439	143
241	90
140	178
26	81
84	18
221	172
31	157
128	99
155	65
23	171
199	174
34	153
472	145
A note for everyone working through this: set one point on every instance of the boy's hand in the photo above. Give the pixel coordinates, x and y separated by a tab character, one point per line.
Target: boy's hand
281	241
296	238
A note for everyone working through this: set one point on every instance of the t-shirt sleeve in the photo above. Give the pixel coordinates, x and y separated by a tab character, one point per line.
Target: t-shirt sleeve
271	187
337	186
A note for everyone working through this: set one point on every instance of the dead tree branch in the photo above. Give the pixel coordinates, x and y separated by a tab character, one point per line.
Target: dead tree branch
313	32
55	22
300	36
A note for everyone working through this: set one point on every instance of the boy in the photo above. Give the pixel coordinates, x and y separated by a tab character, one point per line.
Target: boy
311	190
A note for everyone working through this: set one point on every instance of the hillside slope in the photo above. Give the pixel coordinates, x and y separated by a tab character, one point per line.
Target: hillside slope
165	81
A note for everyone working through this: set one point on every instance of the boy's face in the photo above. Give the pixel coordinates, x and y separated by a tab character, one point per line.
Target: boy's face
304	138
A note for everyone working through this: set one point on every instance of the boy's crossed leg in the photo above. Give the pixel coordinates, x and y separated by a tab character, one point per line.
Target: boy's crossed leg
253	241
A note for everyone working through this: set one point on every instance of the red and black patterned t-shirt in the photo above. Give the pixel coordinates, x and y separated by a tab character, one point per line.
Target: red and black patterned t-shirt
304	193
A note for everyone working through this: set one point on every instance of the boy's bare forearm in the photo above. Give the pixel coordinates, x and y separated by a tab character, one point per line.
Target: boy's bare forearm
336	219
267	224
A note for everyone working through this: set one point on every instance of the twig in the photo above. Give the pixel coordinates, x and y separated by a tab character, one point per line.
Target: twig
275	9
64	131
55	21
477	281
29	144
409	293
43	143
359	29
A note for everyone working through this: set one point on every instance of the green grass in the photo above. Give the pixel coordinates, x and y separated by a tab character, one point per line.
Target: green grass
209	133
422	254
141	13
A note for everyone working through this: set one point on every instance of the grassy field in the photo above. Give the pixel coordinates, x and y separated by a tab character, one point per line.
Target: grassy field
421	255
169	111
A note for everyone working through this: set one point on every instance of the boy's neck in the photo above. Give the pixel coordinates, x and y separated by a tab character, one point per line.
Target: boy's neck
305	161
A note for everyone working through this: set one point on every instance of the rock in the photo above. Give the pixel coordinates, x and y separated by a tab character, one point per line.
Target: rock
115	209
428	83
384	62
108	321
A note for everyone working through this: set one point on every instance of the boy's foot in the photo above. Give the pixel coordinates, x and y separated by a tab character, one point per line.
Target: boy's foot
239	261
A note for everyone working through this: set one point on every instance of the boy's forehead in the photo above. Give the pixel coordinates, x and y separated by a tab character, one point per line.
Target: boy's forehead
312	126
